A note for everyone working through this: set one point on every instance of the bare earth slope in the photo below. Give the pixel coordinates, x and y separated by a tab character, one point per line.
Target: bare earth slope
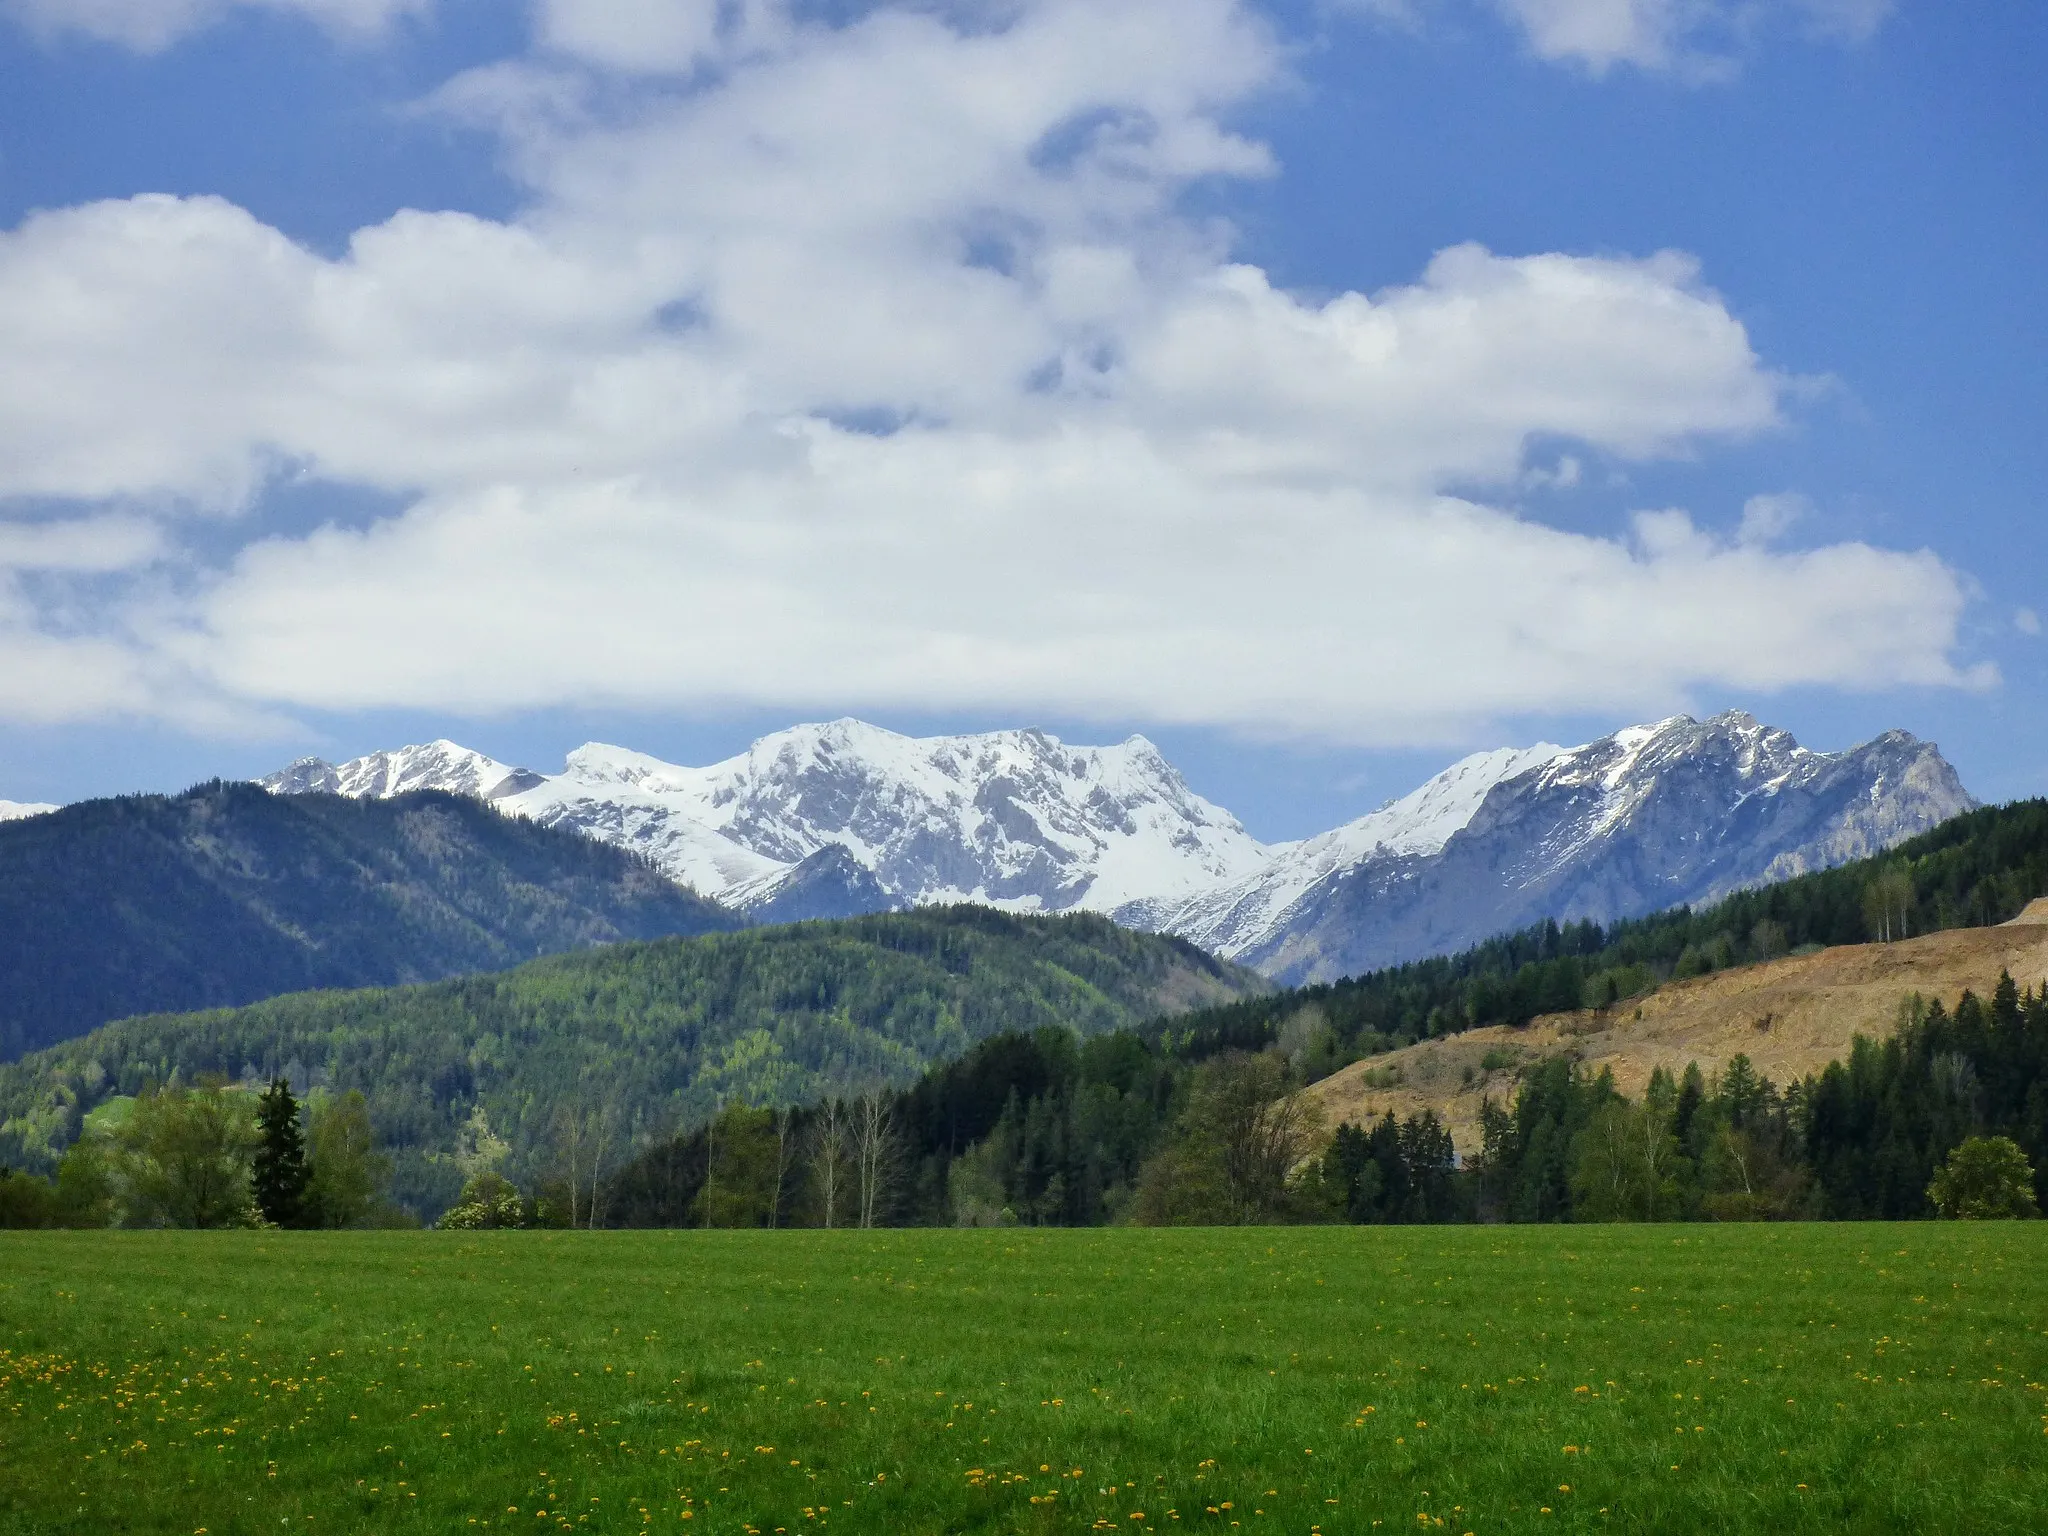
1791	1017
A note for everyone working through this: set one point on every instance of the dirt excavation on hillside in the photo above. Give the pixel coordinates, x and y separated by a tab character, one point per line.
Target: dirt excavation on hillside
1791	1017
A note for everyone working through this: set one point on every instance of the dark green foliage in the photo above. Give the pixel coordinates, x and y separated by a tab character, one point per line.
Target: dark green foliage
1038	1129
1878	1127
27	1201
227	894
81	1195
578	1059
1975	870
1525	1168
280	1157
1044	1130
1394	1172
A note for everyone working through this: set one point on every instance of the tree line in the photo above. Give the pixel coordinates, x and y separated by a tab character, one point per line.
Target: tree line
1047	1129
209	1156
1947	1116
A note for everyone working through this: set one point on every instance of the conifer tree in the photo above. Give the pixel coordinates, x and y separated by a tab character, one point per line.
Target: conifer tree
280	1157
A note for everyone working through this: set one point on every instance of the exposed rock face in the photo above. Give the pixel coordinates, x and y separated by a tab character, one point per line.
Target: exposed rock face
830	883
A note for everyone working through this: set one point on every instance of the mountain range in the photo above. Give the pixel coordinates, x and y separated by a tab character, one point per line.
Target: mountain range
843	818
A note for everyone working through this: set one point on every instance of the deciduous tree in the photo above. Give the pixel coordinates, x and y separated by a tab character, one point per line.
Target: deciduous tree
1987	1178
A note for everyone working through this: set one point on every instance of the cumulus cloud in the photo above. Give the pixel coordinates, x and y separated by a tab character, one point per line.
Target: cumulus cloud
637	36
874	364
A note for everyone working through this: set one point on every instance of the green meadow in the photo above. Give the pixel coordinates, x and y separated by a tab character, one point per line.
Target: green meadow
1329	1379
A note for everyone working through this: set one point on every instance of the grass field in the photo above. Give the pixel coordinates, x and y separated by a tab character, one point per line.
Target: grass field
1806	1378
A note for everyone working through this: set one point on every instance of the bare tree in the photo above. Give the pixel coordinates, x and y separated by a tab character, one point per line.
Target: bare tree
785	1155
601	1146
831	1133
1888	905
569	1144
874	1138
1260	1126
583	1139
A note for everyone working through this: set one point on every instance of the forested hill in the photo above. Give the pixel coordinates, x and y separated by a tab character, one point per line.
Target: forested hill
1980	868
227	894
578	1057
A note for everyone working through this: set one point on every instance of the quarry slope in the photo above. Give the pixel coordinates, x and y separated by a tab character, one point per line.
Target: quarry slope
1791	1017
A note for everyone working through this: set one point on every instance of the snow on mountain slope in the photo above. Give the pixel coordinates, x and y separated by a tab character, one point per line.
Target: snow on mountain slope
436	765
1245	914
840	818
1017	819
1683	811
21	810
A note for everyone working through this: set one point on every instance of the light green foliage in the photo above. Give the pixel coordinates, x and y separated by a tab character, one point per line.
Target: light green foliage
182	1158
487	1202
1629	1165
1888	902
1987	1178
345	1173
1790	1378
659	1034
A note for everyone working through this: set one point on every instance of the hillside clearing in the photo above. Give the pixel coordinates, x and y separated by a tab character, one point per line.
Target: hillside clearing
1791	1017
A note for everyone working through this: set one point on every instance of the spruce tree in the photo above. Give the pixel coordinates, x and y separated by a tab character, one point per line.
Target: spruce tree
280	1157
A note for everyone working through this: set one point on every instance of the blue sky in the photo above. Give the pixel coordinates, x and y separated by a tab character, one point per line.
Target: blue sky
1321	390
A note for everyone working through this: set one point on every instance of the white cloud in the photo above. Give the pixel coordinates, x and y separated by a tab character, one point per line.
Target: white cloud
150	25
637	36
876	367
89	545
1699	37
1768	518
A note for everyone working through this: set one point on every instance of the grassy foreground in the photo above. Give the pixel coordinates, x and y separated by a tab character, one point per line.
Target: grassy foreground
1822	1378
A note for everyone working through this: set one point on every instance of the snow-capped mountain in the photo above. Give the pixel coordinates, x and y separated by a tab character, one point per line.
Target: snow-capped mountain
437	765
836	819
1248	913
1651	817
21	810
1017	819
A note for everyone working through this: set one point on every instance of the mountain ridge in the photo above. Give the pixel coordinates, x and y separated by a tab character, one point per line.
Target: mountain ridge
1647	817
225	895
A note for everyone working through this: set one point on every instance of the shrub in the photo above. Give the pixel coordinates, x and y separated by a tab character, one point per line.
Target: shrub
1987	1178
